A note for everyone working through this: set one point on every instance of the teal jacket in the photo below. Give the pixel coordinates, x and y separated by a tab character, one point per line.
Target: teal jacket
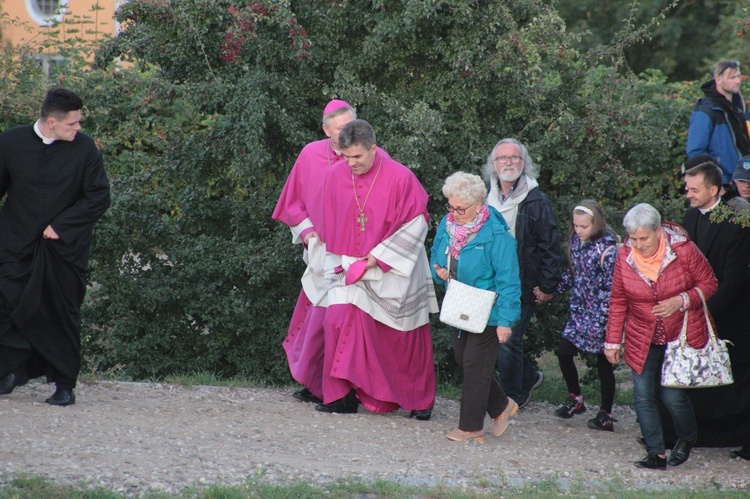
489	261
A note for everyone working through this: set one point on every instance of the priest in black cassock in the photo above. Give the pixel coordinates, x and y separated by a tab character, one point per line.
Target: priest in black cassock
55	190
722	413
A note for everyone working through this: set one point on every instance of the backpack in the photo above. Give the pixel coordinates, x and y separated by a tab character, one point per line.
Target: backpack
615	246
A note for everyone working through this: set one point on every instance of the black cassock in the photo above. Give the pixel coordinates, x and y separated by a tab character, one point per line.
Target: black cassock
723	413
43	281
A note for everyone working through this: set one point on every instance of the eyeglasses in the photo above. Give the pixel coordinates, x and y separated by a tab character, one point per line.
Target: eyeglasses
504	159
458	211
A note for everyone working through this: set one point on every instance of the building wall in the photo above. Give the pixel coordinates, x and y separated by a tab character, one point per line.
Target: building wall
37	27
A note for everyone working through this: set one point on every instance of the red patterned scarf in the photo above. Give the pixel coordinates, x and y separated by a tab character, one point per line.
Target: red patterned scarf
460	233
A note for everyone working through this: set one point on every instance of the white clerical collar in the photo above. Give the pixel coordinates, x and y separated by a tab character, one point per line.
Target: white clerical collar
703	212
41	136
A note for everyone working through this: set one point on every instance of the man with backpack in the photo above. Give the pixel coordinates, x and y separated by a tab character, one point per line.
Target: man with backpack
718	124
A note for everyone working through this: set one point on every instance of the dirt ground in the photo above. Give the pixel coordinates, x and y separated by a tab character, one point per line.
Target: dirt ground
138	437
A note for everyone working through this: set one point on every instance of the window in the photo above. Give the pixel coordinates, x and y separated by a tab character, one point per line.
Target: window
52	65
47	7
45	12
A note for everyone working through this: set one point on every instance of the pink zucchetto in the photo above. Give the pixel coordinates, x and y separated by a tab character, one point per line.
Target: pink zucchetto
334	105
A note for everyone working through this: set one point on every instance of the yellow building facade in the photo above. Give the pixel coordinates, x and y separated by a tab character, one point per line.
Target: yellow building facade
30	21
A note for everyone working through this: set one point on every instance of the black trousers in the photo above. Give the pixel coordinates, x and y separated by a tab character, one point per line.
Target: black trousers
481	392
566	350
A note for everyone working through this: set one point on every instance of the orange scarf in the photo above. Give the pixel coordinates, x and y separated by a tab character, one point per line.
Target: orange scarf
649	266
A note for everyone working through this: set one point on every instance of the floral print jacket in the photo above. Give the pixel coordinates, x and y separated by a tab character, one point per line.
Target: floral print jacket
591	280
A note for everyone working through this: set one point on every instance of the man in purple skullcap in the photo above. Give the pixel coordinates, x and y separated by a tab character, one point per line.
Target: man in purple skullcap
300	207
332	106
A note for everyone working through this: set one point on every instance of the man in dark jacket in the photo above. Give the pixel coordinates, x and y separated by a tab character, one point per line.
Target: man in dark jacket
741	178
723	413
56	190
514	192
718	124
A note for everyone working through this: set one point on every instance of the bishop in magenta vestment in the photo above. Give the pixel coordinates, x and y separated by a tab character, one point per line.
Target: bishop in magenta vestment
377	333
300	207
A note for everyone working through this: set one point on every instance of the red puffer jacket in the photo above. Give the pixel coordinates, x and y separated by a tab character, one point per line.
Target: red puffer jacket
632	298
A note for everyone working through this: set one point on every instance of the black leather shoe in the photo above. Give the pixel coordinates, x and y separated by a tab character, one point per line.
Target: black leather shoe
11	380
345	405
652	462
338	407
681	451
306	395
62	397
424	415
742	453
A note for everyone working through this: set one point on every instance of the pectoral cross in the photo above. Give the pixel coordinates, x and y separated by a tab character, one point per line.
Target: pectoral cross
361	219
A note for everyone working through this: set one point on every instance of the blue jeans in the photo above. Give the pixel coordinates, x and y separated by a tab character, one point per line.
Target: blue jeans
646	388
516	373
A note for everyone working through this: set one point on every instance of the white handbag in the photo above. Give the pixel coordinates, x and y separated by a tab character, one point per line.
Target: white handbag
687	367
466	307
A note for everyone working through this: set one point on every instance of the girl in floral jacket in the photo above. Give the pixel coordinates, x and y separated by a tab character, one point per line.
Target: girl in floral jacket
592	250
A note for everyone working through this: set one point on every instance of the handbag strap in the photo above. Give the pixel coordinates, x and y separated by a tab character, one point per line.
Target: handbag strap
448	265
683	331
711	332
604	253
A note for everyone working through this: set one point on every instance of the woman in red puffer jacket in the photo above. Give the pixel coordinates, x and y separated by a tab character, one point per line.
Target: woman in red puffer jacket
657	273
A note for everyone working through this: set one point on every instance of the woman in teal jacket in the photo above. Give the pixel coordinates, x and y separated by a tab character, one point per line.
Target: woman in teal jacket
483	255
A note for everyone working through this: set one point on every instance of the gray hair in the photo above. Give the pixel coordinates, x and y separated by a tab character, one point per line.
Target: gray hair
467	187
641	216
357	132
529	168
338	112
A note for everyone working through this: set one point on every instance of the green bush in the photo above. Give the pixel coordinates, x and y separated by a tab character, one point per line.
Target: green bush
189	272
245	83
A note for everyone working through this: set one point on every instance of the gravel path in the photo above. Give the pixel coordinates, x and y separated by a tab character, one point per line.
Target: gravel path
139	437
